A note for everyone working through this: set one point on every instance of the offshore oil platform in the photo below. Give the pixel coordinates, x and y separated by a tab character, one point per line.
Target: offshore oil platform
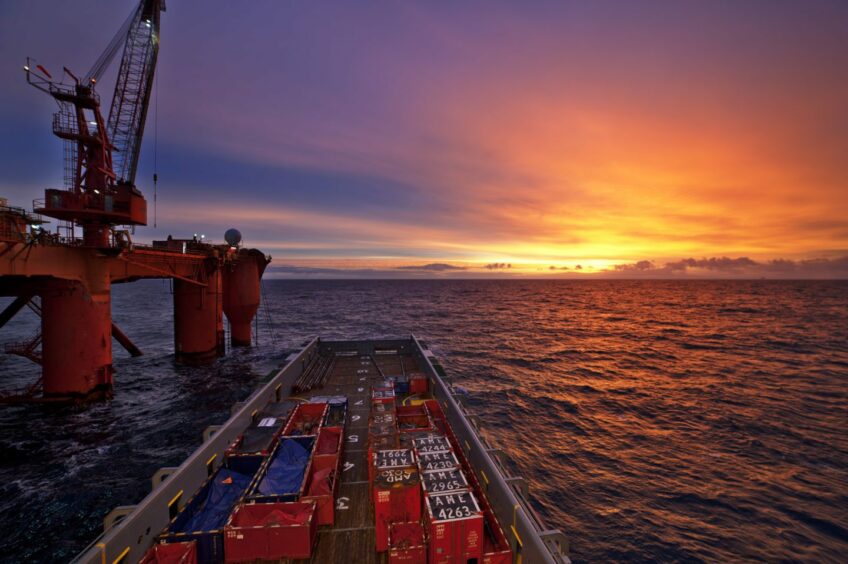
66	279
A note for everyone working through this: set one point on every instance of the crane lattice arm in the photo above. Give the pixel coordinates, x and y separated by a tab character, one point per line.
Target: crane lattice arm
132	89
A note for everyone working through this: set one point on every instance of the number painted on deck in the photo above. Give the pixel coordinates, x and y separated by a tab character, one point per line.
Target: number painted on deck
353	439
360	389
355	418
348	466
362	371
360	402
341	503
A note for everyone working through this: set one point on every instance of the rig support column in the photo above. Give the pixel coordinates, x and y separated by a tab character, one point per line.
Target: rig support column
242	294
76	329
198	319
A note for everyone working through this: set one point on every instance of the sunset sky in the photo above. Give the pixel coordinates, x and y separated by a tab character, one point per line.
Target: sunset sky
475	138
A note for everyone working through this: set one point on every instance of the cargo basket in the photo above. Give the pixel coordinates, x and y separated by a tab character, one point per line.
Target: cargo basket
283	475
203	517
270	531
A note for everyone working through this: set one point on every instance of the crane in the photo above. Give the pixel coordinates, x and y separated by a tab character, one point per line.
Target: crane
101	156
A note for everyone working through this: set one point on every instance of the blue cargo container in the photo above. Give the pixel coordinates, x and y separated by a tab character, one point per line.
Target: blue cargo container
283	474
203	517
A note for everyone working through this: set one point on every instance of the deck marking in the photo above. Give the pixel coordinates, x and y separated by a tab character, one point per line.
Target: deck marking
356	483
360	402
341	503
355	418
353	438
348	466
363	379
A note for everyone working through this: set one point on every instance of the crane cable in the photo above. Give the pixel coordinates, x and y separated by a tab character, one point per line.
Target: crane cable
155	145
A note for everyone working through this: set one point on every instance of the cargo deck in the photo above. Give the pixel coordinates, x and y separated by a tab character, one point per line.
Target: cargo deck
356	371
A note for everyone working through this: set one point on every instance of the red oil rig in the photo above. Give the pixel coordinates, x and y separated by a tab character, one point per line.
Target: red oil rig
67	279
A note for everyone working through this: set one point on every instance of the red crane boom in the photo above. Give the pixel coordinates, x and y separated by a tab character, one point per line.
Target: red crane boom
101	158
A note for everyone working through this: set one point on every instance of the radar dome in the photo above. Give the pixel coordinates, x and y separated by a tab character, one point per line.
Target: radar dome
232	237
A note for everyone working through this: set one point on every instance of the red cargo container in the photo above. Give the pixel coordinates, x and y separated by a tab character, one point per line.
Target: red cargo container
434	410
329	441
455	528
322	485
270	531
414	423
171	553
306	419
397	499
412	410
418	384
406	544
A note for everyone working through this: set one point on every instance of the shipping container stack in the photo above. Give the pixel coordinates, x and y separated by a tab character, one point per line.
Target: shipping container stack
454	522
324	477
201	522
276	486
279	516
495	549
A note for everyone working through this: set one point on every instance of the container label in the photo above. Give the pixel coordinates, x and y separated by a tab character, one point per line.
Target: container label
437	460
450	506
431	444
392	476
444	481
394	458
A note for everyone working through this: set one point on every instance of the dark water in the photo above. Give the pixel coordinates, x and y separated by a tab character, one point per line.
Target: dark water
657	421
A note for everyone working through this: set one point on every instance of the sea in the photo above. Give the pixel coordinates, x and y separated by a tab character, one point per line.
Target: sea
656	421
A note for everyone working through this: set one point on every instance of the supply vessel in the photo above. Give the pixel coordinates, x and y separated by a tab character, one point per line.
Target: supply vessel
354	451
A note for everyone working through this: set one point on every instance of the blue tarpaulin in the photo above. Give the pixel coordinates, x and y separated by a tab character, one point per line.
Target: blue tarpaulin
285	473
210	512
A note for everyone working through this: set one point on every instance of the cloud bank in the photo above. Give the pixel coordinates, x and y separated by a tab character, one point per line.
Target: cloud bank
740	267
689	268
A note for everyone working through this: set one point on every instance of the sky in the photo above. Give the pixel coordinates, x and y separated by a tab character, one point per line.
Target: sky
474	139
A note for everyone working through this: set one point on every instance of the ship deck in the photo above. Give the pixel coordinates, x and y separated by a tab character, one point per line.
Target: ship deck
353	369
353	531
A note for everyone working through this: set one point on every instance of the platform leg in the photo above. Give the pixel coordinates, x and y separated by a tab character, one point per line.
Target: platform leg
198	320
242	294
76	328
